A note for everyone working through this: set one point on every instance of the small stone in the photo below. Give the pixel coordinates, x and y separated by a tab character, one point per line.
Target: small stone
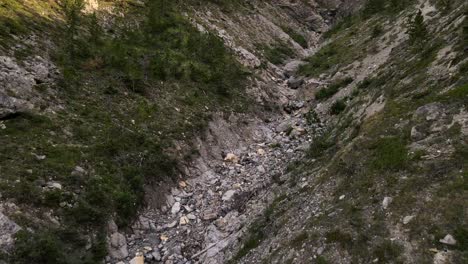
260	152
171	225
157	256
209	216
342	197
386	202
320	250
408	219
147	249
138	259
191	217
79	170
182	184
448	240
184	220
40	157
231	158
416	135
228	195
54	185
261	169
175	208
164	238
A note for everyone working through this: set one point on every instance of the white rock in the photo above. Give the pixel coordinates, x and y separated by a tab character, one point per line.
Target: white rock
342	197
171	225
231	158
54	185
139	259
228	195
448	240
191	217
40	157
261	169
184	220
175	208
260	152
386	202
147	249
408	219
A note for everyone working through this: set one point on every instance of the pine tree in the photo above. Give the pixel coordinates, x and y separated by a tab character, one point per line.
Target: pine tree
95	30
72	12
417	30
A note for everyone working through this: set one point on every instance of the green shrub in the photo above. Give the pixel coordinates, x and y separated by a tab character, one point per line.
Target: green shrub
376	31
326	58
337	236
297	37
319	145
333	88
388	251
342	24
277	53
338	107
40	248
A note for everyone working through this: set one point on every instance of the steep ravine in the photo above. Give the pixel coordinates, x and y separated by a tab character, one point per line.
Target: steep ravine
203	216
241	157
342	138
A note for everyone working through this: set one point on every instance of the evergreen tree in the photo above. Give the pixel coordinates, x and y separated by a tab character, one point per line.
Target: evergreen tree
95	30
72	12
417	30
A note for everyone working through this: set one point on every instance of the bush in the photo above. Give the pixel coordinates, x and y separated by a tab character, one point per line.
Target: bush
338	107
376	31
319	145
321	61
297	37
388	251
328	92
40	248
277	53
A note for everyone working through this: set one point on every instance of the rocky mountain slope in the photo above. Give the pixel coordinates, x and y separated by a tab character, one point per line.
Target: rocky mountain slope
320	132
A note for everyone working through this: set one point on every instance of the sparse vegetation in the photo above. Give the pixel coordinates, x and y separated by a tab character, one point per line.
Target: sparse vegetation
337	107
297	37
277	53
333	88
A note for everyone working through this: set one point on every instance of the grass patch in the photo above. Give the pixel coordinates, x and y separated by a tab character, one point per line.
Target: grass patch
297	37
277	53
388	251
332	89
390	153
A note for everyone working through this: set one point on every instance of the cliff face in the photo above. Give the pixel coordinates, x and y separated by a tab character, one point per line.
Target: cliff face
233	131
